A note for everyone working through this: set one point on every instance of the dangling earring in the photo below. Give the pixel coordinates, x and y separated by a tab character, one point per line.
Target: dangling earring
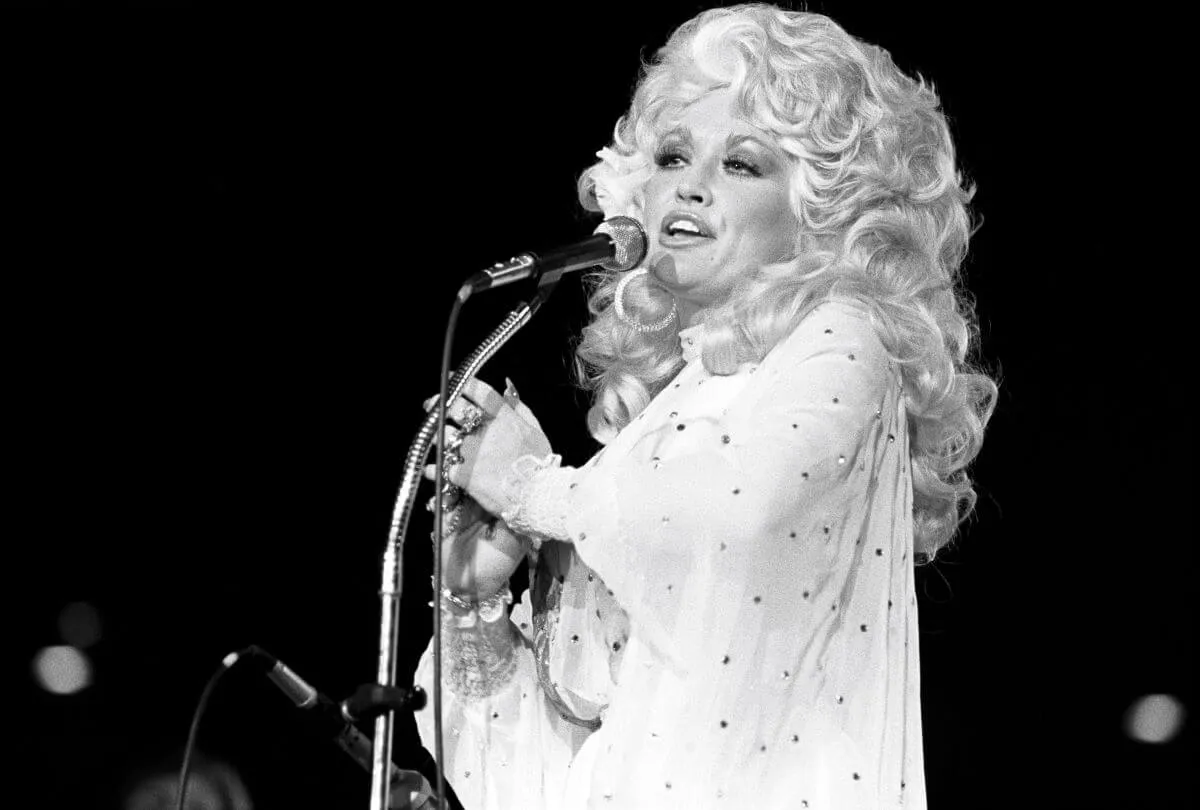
623	316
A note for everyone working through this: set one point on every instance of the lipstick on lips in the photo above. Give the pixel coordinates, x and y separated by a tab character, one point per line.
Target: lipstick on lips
681	229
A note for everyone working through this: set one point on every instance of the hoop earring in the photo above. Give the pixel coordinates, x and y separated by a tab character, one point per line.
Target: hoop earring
623	316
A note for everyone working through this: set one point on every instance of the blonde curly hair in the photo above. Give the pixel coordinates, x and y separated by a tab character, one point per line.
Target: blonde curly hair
884	222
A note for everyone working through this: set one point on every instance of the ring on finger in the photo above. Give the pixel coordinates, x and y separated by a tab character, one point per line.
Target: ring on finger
447	505
472	418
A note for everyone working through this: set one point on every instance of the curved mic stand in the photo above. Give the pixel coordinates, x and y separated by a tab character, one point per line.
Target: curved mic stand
393	557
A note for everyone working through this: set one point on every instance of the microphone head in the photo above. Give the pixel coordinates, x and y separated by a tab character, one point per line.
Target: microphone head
630	241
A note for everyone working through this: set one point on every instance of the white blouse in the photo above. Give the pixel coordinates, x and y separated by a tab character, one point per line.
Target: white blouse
730	619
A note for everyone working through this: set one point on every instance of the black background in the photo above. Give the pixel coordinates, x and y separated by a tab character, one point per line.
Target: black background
232	239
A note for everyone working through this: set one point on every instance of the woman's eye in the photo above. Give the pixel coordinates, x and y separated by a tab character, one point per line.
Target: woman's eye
741	166
669	159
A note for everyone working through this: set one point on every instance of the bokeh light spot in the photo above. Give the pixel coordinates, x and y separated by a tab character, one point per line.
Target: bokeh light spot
79	624
1154	718
62	670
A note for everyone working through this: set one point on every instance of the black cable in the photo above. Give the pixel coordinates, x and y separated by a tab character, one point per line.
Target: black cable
186	767
443	391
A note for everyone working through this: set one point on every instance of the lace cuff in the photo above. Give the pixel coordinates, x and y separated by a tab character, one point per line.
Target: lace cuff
540	488
479	644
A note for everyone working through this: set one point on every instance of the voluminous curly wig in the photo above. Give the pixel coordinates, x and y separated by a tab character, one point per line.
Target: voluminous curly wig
884	222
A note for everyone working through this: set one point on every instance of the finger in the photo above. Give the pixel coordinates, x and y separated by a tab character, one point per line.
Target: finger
452	436
483	395
513	400
458	410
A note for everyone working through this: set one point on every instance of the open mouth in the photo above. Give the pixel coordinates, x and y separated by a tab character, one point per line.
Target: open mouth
684	228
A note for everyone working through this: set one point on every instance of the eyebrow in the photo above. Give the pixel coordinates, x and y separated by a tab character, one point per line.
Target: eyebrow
685	134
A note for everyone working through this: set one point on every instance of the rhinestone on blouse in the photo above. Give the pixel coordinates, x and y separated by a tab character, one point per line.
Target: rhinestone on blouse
841	459
725	439
725	659
724	724
673	414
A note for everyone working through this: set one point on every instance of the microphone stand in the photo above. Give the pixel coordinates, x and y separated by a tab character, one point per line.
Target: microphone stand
393	556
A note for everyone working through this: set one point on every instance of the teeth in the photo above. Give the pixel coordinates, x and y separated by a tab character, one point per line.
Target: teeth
683	226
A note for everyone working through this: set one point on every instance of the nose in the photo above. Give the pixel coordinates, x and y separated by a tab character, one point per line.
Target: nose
693	188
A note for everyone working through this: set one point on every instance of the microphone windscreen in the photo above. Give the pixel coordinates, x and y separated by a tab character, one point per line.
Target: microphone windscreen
630	242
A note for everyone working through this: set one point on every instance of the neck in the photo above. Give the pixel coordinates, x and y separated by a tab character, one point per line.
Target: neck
687	312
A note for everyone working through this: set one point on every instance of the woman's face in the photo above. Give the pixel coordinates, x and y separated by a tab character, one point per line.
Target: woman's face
717	203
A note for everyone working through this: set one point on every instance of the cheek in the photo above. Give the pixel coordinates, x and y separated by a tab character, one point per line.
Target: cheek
776	230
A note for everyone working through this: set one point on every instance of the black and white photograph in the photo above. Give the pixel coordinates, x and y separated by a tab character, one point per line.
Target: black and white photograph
585	406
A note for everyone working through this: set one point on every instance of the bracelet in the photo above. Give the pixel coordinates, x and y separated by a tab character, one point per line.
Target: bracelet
489	609
450	521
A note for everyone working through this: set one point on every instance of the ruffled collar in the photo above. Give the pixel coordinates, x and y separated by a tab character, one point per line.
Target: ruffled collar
690	340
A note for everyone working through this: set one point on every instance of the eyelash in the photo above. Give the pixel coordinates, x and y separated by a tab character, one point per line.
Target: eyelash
666	156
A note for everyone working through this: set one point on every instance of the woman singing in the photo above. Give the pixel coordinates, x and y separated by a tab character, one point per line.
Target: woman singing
721	610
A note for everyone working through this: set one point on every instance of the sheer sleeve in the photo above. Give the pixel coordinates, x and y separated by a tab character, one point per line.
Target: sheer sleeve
768	465
523	692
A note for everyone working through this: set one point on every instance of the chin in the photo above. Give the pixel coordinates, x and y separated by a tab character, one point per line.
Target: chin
664	270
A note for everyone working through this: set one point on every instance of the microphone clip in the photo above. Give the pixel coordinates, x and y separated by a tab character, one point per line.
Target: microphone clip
371	700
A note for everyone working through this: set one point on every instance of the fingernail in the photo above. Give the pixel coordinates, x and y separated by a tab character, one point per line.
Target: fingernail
429	402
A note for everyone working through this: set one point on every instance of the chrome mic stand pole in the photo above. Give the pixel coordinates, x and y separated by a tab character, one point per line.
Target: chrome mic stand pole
393	557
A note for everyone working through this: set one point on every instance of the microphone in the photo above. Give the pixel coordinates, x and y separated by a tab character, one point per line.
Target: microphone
618	244
334	720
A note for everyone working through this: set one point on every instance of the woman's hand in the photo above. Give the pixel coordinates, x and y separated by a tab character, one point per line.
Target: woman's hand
495	431
480	556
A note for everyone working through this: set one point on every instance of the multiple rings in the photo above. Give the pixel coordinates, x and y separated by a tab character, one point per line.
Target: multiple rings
472	418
